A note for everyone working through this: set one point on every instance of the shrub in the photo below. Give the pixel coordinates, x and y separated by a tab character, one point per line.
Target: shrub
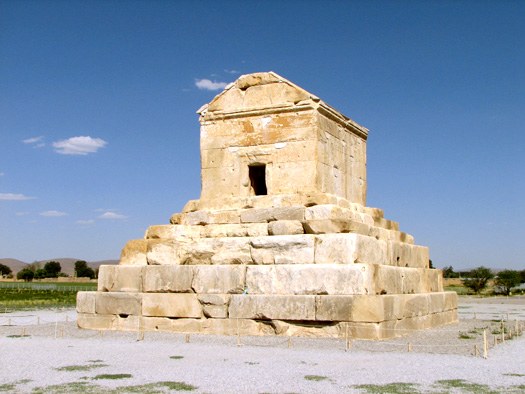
506	280
478	278
26	274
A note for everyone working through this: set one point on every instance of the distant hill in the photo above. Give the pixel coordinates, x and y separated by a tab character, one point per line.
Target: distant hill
14	264
67	264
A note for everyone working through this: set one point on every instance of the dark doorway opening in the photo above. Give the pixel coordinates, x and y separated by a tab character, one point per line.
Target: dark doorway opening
258	179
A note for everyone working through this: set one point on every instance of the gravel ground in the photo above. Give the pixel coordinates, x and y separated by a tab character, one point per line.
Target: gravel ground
55	356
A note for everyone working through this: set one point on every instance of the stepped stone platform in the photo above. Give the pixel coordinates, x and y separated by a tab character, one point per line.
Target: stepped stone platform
280	242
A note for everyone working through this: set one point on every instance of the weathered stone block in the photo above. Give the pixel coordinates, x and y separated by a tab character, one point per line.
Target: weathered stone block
334	279
197	218
215	311
182	325
272	307
349	249
406	255
285	227
219	279
96	321
214	299
215	251
235	230
86	302
125	278
171	231
171	305
162	252
235	327
356	308
118	303
282	249
261	215
334	226
168	278
134	253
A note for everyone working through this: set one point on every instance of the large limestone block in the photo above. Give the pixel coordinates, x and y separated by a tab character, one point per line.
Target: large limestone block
329	211
181	325
352	308
197	218
134	253
161	251
406	255
235	327
272	307
219	279
125	278
215	311
436	302
96	321
168	278
214	299
172	231
416	305
451	300
282	249
118	303
215	305
385	223
235	230
171	305
303	279
234	250
401	280
86	301
349	249
335	226
262	215
285	227
435	280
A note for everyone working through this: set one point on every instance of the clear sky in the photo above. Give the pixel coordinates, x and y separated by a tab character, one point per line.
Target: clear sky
99	137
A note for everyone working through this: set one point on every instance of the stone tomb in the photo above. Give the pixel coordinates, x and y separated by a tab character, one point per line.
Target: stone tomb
281	241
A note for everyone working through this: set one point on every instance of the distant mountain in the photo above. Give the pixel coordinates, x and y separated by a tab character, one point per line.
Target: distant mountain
67	264
14	264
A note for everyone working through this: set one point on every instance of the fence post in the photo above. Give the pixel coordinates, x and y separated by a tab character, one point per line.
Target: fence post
238	333
485	344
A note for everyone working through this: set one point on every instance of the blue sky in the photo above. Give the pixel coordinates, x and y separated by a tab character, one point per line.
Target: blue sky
99	137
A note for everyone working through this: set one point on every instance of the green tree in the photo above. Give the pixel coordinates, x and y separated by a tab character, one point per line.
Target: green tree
522	276
40	273
448	272
507	279
26	274
52	269
478	278
83	271
5	270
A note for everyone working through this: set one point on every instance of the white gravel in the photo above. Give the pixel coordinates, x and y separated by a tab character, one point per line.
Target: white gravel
215	364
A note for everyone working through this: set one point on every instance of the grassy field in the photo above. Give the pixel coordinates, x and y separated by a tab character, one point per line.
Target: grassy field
31	295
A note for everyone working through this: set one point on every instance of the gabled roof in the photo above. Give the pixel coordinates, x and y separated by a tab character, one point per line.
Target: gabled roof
268	92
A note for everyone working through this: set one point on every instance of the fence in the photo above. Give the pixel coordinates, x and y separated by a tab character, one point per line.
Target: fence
467	339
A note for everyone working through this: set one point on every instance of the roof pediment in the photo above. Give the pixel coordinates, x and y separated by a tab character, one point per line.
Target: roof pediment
267	92
257	91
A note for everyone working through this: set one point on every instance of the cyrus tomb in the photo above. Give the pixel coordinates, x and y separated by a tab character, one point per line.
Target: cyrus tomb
281	241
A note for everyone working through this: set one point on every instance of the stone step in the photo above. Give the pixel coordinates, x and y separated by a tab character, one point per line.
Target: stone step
368	317
346	248
286	279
